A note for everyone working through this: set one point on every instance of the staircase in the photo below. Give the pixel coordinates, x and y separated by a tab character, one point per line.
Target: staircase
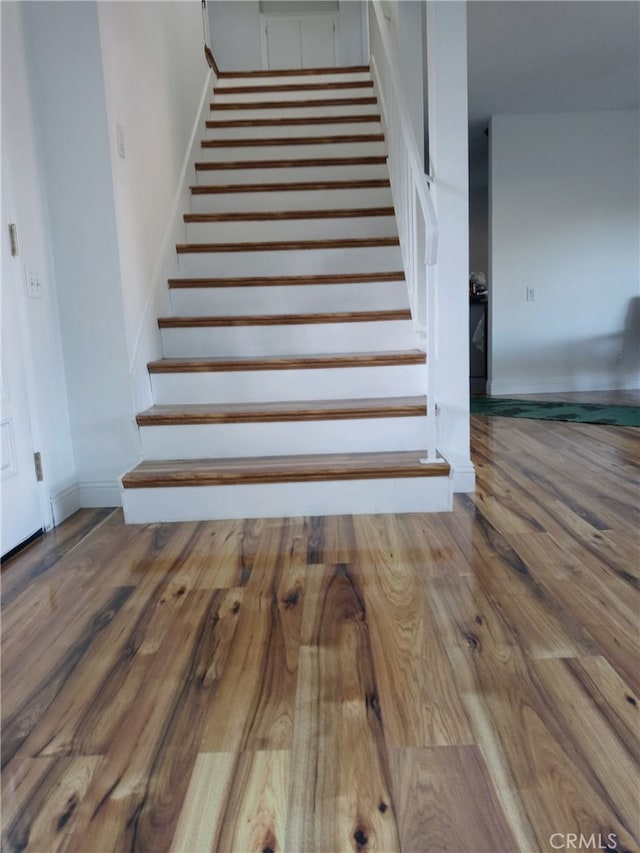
292	381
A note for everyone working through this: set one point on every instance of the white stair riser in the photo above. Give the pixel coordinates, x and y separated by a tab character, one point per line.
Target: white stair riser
287	151
359	172
293	299
284	79
325	199
291	229
295	112
199	503
197	441
298	262
253	386
271	131
230	96
311	338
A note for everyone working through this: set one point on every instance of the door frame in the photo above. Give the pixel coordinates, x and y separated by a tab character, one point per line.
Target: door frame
9	213
265	17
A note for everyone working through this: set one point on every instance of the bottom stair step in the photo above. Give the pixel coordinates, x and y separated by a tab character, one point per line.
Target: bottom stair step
281	469
327	484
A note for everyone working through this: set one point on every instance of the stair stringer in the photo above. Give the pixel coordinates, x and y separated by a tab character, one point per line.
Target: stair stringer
256	282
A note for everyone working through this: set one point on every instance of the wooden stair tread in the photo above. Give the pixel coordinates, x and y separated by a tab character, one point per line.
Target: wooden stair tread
230	165
294	72
293	186
221	364
275	105
290	281
304	410
287	245
253	142
282	469
270	215
295	87
369	118
284	319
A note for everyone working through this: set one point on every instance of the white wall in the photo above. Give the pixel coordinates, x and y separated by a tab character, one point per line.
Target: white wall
235	34
154	80
64	50
351	49
564	220
113	221
23	185
235	30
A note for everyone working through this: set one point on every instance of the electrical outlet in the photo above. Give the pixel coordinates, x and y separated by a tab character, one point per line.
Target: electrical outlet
531	294
34	285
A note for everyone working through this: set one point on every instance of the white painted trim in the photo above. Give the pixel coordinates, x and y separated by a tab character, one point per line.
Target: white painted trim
277	500
463	477
556	386
148	336
96	493
65	502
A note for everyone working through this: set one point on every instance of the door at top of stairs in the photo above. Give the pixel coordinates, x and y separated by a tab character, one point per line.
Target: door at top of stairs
300	41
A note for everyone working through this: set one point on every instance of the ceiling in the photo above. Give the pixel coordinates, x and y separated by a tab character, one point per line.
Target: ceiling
548	56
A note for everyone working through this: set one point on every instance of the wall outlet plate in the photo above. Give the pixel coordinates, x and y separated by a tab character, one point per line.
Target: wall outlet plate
33	283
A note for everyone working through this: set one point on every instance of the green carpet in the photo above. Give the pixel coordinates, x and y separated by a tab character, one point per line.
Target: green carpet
582	413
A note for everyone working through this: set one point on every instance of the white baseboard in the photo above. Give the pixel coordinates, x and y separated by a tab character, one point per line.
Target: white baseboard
96	493
558	386
64	503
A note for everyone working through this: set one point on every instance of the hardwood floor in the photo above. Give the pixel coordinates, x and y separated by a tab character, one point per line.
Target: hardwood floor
453	682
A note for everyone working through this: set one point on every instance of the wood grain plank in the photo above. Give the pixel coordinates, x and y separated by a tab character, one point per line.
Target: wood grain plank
294	72
307	102
215	124
288	281
44	554
282	469
605	608
179	746
410	659
130	726
291	186
254	142
294	87
287	362
343	801
235	802
20	781
284	319
429	786
17	727
287	245
256	638
545	783
284	411
49	819
233	165
595	744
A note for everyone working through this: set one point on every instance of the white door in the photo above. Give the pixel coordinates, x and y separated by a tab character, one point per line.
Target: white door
318	36
20	506
303	41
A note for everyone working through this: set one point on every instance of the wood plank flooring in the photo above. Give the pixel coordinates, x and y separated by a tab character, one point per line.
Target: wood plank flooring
463	682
